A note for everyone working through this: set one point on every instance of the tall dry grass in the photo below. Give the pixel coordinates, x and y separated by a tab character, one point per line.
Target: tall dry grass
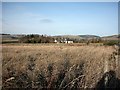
55	66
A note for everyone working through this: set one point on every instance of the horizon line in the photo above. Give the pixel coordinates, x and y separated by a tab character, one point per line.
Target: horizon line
56	34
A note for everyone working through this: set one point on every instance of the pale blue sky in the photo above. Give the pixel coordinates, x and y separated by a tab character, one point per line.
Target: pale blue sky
96	18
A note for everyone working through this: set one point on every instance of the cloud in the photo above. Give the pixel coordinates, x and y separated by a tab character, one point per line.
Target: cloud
46	21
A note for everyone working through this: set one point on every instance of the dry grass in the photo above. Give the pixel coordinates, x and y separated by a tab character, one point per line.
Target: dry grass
55	66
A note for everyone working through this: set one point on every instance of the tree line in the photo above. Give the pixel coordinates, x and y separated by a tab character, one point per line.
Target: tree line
36	39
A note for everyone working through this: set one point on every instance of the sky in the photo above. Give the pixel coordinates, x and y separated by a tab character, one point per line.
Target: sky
60	18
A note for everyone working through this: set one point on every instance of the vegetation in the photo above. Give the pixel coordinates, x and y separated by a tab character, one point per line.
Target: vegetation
36	39
63	66
56	66
10	41
111	42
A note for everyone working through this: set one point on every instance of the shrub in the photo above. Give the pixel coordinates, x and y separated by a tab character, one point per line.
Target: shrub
111	42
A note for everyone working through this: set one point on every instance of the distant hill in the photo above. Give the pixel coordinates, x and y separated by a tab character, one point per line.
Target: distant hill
78	37
68	36
112	37
89	36
11	36
8	38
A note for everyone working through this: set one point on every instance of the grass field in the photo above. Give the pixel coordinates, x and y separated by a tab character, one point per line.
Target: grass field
56	65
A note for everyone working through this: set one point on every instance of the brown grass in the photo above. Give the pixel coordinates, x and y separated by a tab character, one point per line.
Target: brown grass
55	66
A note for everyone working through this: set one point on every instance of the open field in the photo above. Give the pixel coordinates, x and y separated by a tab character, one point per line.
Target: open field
56	65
